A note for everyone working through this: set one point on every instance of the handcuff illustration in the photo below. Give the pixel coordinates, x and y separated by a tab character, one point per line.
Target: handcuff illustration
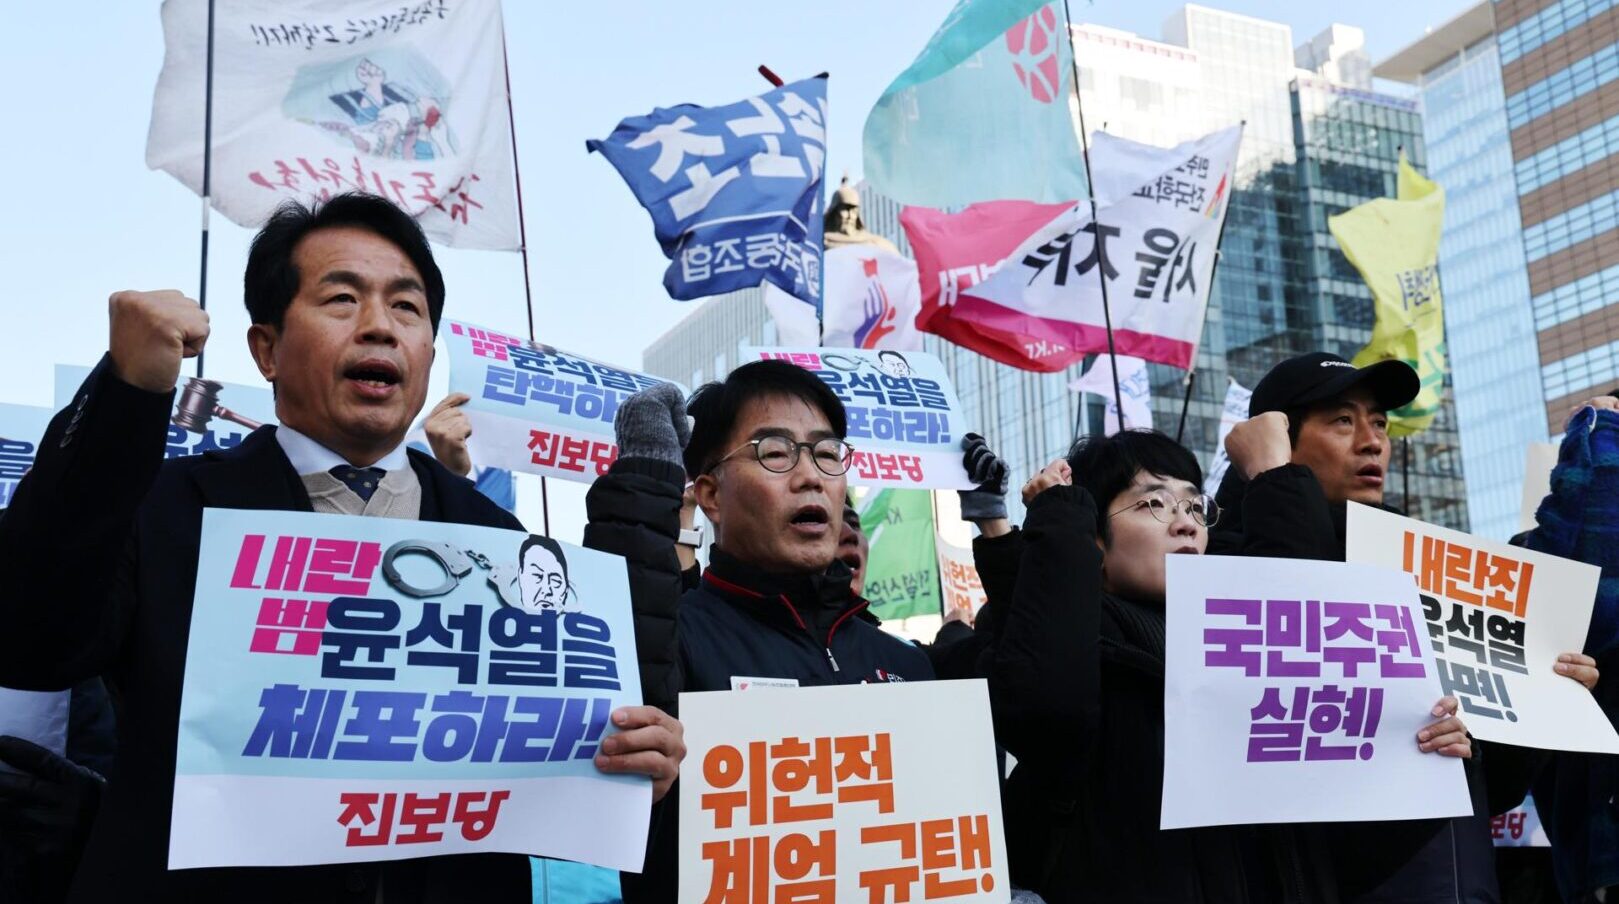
456	563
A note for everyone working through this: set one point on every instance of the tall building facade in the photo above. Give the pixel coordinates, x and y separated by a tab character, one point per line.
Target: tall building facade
1489	322
1277	292
1560	73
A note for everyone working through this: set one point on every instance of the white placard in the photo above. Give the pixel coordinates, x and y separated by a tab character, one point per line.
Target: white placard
1499	616
813	793
1294	693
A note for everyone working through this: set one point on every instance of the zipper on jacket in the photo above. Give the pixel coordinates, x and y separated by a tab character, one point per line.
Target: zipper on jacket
833	660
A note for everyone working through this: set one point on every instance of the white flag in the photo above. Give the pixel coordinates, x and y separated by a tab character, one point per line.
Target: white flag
1133	388
796	323
1160	213
1234	413
870	300
312	98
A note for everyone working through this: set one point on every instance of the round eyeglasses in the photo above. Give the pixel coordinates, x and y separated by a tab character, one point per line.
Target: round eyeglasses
1163	507
779	454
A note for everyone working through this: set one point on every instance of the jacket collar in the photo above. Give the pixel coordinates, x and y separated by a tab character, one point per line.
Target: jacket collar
790	600
255	474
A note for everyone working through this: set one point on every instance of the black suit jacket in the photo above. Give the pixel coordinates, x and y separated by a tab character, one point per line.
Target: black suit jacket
98	566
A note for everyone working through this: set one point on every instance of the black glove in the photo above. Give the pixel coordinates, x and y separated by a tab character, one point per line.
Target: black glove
47	805
988	501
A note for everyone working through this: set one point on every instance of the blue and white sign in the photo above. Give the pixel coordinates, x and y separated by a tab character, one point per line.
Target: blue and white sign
734	191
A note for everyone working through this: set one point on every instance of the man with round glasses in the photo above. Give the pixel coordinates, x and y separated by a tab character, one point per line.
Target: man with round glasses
766	453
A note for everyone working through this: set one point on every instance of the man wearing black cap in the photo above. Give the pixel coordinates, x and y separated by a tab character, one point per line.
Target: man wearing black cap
1317	439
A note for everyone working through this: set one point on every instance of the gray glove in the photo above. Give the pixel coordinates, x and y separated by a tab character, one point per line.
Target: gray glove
653	424
988	501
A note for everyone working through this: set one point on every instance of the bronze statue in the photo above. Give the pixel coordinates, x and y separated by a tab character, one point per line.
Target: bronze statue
843	225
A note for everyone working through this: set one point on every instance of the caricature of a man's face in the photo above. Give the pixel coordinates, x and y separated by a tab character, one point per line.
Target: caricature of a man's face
894	365
542	581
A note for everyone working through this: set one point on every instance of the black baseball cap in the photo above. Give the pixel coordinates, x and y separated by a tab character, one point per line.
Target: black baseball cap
1322	376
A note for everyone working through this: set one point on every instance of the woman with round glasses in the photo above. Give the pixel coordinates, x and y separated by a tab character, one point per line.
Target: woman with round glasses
1077	683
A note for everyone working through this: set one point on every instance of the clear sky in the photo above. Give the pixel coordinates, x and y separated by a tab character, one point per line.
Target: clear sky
87	218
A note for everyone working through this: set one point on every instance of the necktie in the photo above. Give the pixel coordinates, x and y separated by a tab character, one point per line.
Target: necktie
363	481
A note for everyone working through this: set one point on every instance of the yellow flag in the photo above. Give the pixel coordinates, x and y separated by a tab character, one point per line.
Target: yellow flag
1394	243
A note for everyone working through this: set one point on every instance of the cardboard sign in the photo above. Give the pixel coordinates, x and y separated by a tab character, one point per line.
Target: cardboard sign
1499	616
1294	693
377	689
840	794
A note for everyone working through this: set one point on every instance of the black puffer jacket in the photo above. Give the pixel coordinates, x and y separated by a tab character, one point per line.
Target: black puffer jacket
1077	685
1283	513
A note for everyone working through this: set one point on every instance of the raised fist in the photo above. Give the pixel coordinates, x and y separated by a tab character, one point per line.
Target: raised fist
1259	444
150	333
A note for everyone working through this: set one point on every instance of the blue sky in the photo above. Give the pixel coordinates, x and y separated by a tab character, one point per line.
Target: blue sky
88	218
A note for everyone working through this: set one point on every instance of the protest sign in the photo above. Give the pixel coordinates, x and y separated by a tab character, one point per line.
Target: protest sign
407	100
536	409
1133	388
904	417
1498	616
1294	693
963	591
1519	827
376	689
840	794
21	429
208	414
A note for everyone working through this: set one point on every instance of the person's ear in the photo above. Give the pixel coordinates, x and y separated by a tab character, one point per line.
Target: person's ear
706	489
261	343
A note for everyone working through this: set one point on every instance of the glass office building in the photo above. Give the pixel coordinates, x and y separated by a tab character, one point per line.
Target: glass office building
1489	324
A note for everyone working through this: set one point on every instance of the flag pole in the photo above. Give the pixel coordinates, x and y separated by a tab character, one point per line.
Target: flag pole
522	242
207	168
820	304
1219	240
1090	189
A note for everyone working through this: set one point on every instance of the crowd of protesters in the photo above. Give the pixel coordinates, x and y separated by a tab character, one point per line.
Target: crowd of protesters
346	300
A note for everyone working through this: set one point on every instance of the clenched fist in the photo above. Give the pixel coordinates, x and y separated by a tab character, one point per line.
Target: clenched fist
150	333
1259	444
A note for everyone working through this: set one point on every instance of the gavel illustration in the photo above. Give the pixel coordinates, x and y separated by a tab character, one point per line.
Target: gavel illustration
199	404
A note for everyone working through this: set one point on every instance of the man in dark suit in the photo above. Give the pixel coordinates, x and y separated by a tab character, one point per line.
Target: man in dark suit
100	544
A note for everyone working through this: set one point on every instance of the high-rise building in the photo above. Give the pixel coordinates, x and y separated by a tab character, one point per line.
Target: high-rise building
1489	324
1278	291
1560	74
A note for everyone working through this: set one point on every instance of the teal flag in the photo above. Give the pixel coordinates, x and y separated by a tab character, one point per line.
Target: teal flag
983	112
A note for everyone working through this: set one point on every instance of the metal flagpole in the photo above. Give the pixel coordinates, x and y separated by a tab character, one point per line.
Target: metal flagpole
522	242
207	168
1186	400
1090	189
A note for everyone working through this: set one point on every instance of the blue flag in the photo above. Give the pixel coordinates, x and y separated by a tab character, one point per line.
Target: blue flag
734	191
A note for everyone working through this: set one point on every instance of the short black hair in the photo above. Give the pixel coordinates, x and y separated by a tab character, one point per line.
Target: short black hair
1106	465
271	279
714	407
546	543
889	351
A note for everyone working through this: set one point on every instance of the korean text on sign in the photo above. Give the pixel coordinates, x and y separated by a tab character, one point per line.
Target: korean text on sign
535	408
1497	616
1305	684
377	689
903	414
815	812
